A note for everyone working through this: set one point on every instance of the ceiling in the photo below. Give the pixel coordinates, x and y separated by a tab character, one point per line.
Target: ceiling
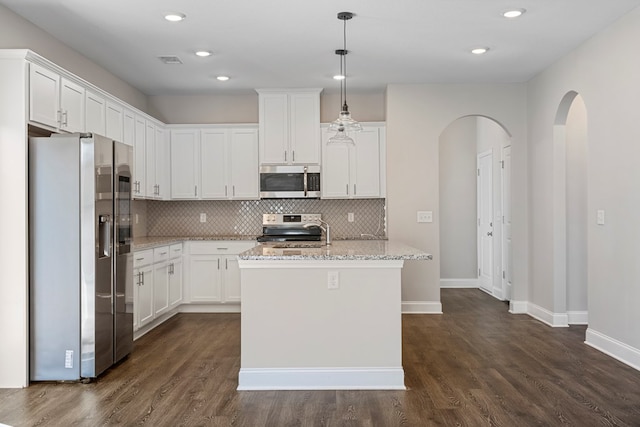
291	43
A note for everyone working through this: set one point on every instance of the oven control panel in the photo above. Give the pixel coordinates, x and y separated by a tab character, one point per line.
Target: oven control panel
292	219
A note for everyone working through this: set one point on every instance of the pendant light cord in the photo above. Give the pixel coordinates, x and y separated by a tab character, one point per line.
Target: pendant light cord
344	56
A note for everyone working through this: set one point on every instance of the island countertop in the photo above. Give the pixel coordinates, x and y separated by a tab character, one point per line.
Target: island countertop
339	250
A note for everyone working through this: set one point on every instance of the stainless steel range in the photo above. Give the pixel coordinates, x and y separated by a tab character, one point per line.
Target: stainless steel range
291	228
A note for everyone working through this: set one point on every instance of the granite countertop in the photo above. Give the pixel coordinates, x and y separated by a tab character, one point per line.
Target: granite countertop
338	250
150	242
140	243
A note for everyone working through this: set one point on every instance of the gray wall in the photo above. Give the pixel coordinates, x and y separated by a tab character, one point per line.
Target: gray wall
576	143
365	107
604	71
416	117
458	231
18	33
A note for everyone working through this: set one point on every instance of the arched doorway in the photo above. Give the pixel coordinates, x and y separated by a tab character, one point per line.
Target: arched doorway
475	214
570	212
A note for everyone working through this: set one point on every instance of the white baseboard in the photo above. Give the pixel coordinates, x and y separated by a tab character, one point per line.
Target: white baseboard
459	283
421	307
557	320
518	307
321	379
209	308
614	348
578	317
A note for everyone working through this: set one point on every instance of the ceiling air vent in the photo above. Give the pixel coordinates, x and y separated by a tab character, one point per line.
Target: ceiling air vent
169	59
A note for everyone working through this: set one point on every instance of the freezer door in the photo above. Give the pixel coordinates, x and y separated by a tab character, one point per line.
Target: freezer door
123	328
96	195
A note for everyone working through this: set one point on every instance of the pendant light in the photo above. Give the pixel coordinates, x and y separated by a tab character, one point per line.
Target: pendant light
344	123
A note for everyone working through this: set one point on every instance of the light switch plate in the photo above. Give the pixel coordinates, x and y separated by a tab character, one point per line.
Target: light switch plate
425	216
600	217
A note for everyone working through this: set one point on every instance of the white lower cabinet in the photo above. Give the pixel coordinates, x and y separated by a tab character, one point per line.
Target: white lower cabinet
157	276
211	279
213	275
175	275
143	312
160	280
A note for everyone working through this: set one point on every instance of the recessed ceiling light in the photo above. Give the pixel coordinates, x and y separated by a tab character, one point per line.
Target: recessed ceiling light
223	78
514	13
203	53
175	17
479	50
339	77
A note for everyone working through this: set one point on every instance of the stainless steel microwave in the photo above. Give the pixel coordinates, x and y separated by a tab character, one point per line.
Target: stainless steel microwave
290	182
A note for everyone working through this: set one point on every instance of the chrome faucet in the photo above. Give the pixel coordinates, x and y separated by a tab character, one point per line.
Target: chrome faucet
324	226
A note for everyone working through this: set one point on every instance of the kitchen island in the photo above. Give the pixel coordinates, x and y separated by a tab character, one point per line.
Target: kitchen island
322	317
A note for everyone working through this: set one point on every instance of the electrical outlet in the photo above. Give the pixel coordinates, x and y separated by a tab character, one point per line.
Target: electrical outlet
203	217
333	280
350	217
425	216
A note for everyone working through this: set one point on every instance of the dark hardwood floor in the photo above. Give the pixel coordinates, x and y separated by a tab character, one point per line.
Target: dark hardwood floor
475	365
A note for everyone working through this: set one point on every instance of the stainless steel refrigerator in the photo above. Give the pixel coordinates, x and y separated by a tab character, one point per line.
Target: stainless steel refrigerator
81	266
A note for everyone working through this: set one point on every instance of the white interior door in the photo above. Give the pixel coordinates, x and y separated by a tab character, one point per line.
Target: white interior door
506	223
485	220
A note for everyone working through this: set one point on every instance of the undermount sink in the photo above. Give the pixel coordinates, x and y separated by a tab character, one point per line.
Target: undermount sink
297	245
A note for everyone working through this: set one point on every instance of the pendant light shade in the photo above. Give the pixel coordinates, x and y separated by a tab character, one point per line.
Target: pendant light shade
344	123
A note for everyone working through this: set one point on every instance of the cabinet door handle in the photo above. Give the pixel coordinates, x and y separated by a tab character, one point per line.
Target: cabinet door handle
225	191
195	189
233	192
347	189
65	118
218	263
222	249
142	281
285	155
59	116
226	264
354	190
293	155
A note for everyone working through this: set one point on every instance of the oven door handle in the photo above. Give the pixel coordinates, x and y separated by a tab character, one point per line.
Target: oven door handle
305	181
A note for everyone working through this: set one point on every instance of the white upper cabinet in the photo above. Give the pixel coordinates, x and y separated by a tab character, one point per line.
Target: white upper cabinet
214	163
129	127
358	171
185	147
139	158
55	101
289	126
114	121
243	159
95	113
72	107
156	171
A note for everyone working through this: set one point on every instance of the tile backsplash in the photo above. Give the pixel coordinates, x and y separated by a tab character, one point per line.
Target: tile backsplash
244	217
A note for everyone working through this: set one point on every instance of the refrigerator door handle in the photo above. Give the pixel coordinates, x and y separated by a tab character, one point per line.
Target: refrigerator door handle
104	236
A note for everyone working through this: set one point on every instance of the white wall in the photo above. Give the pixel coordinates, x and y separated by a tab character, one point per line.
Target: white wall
604	71
14	336
458	184
416	117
